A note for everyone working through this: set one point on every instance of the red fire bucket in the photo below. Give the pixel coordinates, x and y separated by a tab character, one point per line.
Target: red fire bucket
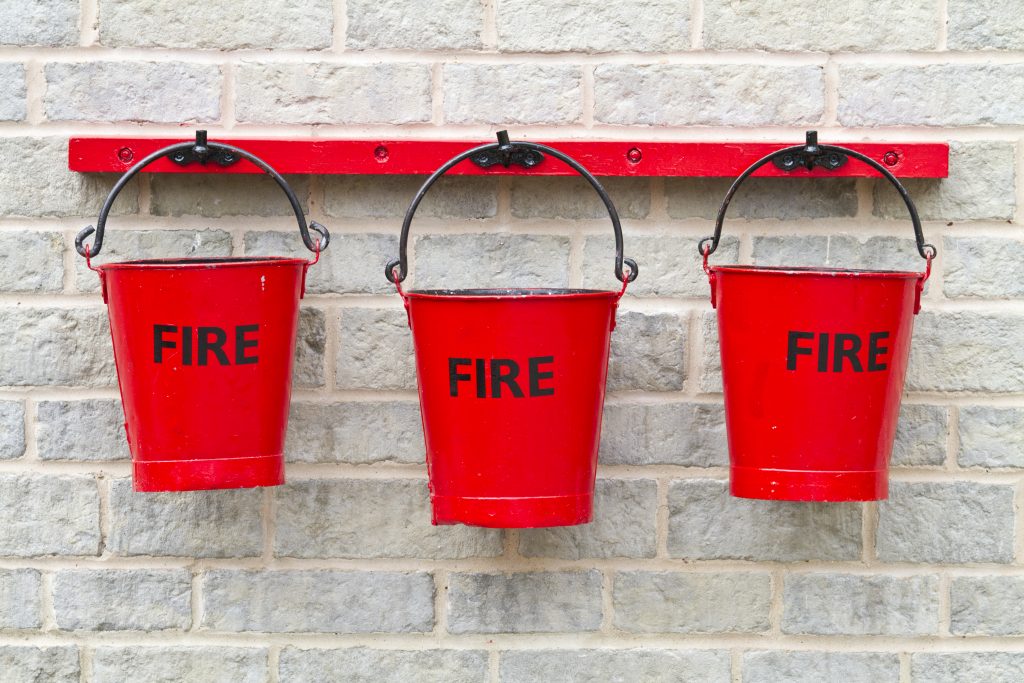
204	350
813	361
511	384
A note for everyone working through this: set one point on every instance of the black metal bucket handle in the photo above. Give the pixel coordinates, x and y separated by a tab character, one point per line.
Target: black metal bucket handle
200	150
808	156
506	150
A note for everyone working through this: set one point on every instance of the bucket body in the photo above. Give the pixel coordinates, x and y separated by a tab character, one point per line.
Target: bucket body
511	386
813	363
204	351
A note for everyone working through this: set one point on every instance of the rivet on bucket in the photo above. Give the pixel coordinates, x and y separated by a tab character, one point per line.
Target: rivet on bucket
813	360
511	383
204	349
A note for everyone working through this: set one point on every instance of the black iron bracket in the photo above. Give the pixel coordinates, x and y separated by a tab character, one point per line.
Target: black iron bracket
203	154
810	156
507	154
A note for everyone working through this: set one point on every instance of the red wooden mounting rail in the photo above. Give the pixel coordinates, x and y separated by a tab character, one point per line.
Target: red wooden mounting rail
601	157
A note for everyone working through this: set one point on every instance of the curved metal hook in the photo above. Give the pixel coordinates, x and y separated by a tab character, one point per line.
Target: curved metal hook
398	269
708	245
201	148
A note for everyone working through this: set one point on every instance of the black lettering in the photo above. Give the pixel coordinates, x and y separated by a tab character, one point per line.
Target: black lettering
793	350
216	346
536	376
874	350
159	343
481	378
498	377
241	344
823	352
186	345
841	352
454	376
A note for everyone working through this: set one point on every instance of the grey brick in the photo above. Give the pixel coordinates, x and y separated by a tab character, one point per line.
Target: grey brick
45	515
190	524
676	602
648	352
686	434
593	26
355	432
625	513
157	92
332	93
990	267
90	429
921	436
352	264
40	184
669	264
538	602
987	606
24	664
20	599
956	667
174	664
838	251
823	26
370	518
375	350
946	348
983	25
615	666
128	245
711	357
947	523
310	347
13	92
491	260
393	24
991	437
12	429
813	667
705	523
365	665
318	601
233	25
41	22
708	95
980	186
574	198
512	93
851	604
390	196
931	95
122	599
195	194
31	261
760	198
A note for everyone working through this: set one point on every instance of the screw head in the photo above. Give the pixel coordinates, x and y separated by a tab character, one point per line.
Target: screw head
381	154
634	155
125	154
179	157
890	158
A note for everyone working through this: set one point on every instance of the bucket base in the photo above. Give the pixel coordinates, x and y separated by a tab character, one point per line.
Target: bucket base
804	485
207	474
513	513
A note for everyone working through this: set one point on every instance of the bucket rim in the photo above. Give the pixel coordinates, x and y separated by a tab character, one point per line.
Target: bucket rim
814	271
202	263
504	293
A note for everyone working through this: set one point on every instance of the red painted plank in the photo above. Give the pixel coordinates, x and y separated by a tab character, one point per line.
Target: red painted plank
602	157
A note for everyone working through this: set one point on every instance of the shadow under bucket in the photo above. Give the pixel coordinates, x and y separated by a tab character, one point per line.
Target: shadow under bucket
813	365
511	385
204	350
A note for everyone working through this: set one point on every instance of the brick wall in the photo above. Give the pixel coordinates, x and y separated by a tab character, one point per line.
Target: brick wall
340	571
